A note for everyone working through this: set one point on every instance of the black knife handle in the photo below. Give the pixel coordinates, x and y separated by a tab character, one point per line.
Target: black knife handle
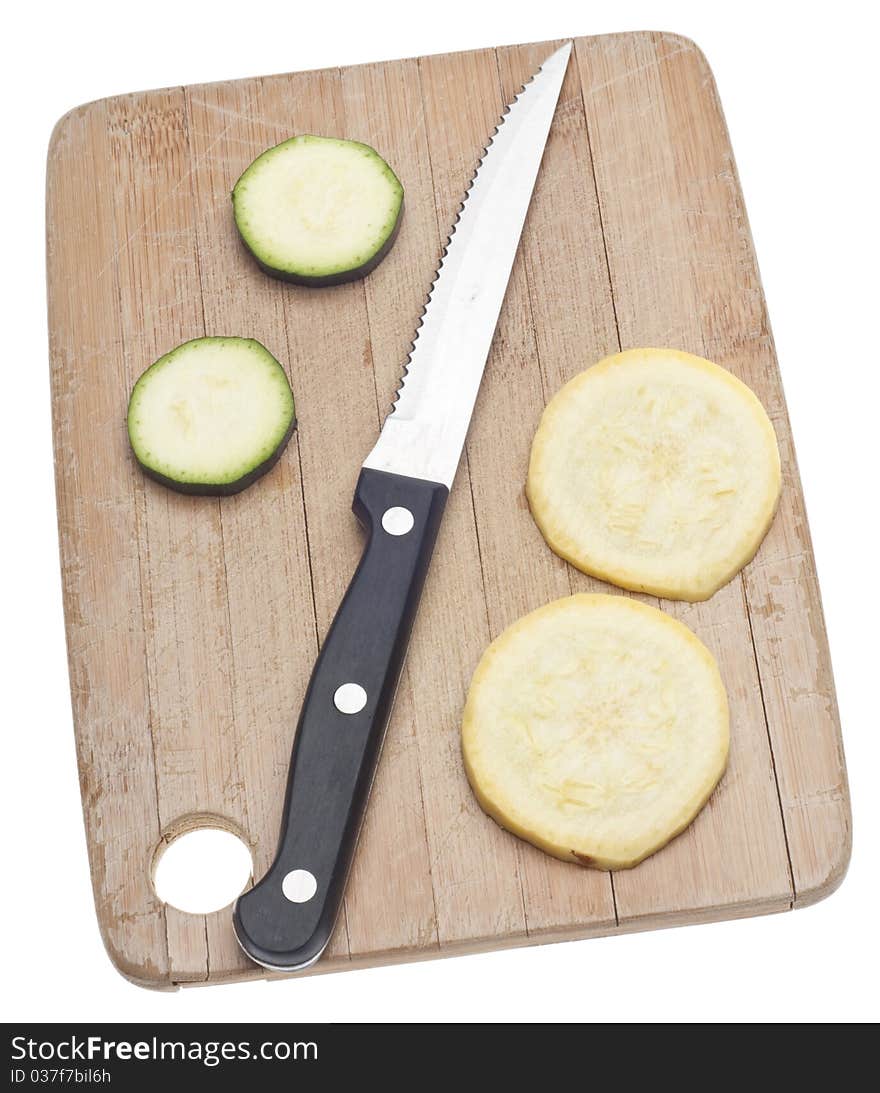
286	920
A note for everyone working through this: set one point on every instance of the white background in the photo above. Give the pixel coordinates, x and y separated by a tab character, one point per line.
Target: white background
798	82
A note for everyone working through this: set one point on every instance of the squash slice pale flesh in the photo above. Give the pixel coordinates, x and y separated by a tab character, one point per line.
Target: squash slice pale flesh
596	728
657	471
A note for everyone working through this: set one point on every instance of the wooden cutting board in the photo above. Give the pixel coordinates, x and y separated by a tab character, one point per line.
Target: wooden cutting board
193	623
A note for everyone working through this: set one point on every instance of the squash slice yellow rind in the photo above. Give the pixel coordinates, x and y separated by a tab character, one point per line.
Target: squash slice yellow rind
596	728
657	471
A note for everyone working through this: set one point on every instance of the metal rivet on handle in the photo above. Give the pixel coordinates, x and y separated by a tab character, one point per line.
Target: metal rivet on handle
397	520
350	698
299	886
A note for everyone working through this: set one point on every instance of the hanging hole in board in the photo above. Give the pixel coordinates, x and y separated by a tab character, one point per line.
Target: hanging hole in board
201	870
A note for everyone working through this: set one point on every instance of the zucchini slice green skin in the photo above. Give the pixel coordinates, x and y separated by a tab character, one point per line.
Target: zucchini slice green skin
225	489
342	278
173	400
305	222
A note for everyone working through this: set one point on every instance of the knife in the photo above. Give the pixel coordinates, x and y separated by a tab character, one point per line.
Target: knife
285	921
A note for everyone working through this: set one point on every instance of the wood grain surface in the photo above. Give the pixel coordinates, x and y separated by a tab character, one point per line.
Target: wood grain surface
193	623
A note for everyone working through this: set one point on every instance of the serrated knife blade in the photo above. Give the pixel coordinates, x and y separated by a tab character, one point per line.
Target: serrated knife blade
424	434
286	920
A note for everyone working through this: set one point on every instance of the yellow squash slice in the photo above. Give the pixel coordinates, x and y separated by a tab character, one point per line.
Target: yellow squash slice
596	728
657	471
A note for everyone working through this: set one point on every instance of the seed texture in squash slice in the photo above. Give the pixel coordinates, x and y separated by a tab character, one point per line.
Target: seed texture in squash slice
595	728
657	471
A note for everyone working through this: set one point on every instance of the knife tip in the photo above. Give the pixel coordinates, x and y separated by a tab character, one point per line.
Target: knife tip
560	56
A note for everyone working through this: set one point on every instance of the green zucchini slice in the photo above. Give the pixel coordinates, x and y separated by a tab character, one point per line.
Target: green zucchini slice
211	416
318	210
